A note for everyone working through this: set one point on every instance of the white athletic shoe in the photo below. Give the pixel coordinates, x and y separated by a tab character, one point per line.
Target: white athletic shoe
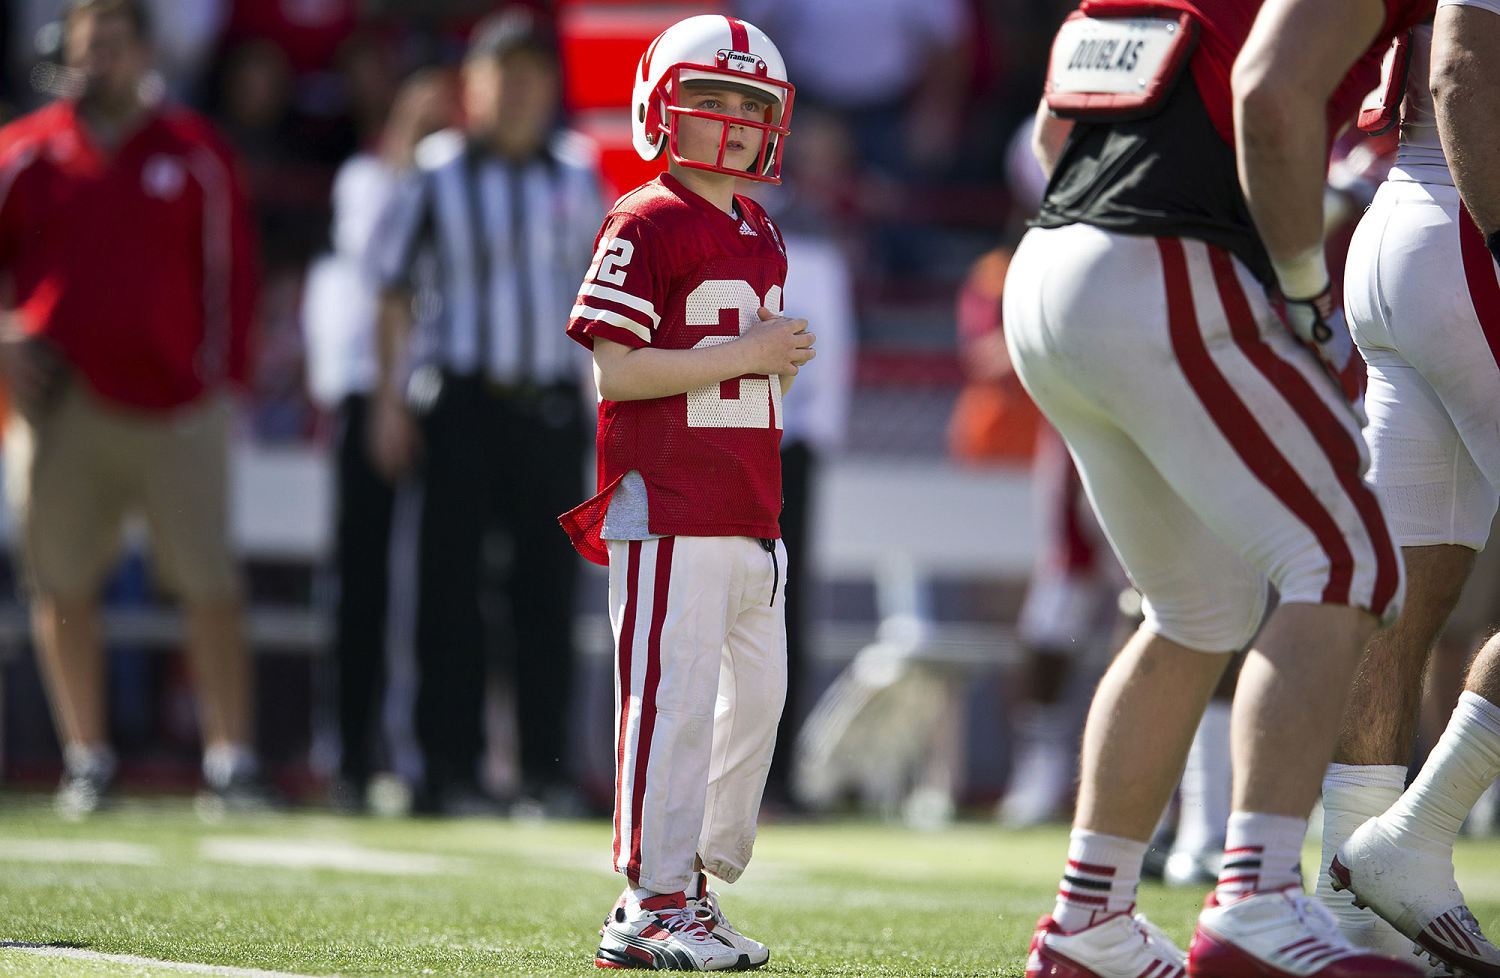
660	934
1281	934
1194	867
1414	891
1364	928
753	953
1121	946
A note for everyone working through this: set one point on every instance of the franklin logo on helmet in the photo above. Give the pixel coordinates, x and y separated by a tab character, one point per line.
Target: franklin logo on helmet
719	50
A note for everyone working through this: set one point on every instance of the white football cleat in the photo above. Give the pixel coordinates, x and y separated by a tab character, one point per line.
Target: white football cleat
1121	946
661	934
1281	934
1414	891
706	909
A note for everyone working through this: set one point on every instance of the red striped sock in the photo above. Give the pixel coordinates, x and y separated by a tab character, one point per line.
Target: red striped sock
1100	881
1261	852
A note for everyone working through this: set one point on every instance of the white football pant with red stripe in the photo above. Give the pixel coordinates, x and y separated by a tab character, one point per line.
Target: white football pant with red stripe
700	651
1423	302
1215	450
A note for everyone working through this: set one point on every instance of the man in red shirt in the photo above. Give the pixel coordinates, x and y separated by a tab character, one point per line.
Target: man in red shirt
126	255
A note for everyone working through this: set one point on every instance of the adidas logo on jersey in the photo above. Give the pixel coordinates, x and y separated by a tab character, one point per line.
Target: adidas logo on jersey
745	228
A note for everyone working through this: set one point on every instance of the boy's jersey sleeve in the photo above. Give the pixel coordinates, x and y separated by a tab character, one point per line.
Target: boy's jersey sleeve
624	293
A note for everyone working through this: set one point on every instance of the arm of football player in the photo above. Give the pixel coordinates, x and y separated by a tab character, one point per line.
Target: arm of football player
1048	134
1465	59
1293	61
776	345
393	438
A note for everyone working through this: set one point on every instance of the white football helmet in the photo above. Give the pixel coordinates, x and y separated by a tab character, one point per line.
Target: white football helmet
710	47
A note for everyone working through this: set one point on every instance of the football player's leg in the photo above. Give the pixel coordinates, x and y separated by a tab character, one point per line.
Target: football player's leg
1202	602
1400	863
1148	704
1410	312
1275	469
1424	473
752	691
669	606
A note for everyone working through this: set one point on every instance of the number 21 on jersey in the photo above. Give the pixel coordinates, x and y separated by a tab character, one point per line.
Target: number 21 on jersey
758	403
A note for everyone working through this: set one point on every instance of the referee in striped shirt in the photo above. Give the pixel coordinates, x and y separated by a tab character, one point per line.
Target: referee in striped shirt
478	259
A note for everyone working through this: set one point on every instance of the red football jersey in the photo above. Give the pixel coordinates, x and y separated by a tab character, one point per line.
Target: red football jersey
140	263
674	272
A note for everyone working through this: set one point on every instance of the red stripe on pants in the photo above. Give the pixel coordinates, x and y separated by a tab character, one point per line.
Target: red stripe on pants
627	641
1479	270
1332	437
1233	419
648	703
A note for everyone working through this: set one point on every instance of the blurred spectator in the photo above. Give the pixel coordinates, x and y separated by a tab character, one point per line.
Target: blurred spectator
184	37
368	66
339	308
896	69
128	250
288	164
993	420
479	258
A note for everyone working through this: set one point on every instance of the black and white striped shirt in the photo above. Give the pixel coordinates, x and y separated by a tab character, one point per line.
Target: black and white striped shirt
493	252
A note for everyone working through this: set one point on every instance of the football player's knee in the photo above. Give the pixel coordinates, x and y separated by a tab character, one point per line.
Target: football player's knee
1371	588
1224	625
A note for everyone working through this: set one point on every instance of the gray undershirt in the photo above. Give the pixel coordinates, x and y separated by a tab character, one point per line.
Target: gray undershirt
628	517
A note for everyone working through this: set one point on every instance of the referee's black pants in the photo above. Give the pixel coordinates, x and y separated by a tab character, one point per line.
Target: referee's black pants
365	505
508	460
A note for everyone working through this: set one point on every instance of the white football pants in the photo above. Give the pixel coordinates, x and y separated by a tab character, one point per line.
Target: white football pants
1423	302
700	653
1215	450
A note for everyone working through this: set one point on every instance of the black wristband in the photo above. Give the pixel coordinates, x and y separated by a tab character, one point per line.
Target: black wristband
1494	242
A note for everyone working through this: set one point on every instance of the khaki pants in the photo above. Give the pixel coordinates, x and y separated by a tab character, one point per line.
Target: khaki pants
74	474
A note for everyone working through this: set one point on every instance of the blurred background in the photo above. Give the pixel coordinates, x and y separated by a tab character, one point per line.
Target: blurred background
908	172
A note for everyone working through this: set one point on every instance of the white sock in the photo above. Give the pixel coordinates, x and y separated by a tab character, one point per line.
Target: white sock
1261	853
88	758
1204	814
221	762
1100	881
1352	794
1464	763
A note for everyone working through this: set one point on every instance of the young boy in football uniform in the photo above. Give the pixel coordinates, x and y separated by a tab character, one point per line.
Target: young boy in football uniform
682	310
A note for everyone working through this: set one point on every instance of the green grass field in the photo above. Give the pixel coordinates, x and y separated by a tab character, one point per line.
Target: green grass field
312	894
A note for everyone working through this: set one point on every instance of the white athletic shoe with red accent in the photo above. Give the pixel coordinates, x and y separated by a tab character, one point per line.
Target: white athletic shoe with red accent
1416	893
1121	946
661	934
1281	934
706	908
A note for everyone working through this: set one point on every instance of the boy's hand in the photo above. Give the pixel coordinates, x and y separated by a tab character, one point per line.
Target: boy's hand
778	345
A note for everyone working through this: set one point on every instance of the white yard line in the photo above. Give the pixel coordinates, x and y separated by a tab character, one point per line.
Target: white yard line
78	851
79	954
326	854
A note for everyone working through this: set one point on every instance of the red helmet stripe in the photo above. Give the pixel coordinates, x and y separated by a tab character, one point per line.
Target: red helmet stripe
739	37
646	61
